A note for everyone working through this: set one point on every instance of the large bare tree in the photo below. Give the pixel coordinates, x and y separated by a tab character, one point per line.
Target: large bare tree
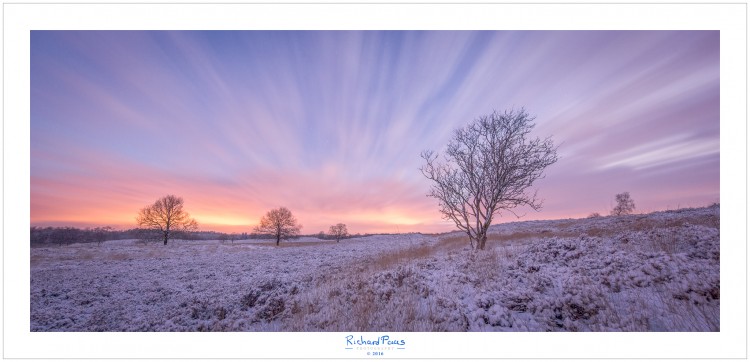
166	217
280	223
488	167
338	231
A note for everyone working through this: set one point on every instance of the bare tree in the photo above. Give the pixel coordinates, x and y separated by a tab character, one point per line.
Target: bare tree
66	235
166	217
625	205
145	236
100	234
223	237
338	231
488	166
280	223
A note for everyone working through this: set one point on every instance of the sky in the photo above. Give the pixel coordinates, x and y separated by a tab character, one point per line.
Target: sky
330	124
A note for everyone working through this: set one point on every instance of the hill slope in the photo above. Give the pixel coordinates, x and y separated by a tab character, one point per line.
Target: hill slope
655	272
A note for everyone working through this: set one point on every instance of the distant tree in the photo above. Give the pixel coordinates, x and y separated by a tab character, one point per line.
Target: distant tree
42	235
279	223
66	235
595	214
338	231
69	235
37	235
58	236
166	217
101	234
488	166
146	236
223	237
625	205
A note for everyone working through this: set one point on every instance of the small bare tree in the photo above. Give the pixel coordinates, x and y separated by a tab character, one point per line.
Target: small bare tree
338	231
101	233
145	236
66	235
223	237
625	205
166	217
280	223
488	166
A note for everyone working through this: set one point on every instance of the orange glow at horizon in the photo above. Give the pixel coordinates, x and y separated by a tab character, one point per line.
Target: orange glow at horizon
219	209
387	206
237	124
367	222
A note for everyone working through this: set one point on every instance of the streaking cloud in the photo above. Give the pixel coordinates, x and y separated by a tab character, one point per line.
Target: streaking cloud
330	123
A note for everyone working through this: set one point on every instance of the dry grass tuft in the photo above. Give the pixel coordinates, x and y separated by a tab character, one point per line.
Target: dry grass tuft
452	242
522	236
388	260
304	243
118	256
598	232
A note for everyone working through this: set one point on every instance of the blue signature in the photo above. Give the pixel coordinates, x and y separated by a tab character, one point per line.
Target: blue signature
379	341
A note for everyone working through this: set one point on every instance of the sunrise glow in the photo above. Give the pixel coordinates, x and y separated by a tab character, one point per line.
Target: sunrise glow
330	124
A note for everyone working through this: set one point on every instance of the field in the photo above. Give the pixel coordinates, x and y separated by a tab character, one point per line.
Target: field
654	272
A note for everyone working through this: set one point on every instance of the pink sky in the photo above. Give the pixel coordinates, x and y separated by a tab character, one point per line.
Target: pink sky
331	124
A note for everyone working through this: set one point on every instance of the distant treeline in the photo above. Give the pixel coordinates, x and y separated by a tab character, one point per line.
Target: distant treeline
69	235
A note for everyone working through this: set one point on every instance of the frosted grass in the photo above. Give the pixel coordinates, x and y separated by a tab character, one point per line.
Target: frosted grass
655	272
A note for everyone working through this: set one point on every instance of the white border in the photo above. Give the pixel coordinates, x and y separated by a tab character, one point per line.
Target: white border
19	19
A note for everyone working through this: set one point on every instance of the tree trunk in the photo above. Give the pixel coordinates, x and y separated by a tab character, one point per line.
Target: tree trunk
479	240
166	237
278	238
482	241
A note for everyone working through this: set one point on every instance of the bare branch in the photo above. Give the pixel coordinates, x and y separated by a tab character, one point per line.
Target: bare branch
338	231
489	165
625	205
280	223
165	217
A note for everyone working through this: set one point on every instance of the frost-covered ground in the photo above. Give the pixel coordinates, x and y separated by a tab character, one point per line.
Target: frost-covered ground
656	272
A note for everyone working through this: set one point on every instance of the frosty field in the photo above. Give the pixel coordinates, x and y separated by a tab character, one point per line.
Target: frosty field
655	272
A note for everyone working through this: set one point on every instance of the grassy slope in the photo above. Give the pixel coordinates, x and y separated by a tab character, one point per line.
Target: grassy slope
656	272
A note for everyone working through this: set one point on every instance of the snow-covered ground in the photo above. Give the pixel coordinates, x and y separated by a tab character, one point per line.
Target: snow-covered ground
655	272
